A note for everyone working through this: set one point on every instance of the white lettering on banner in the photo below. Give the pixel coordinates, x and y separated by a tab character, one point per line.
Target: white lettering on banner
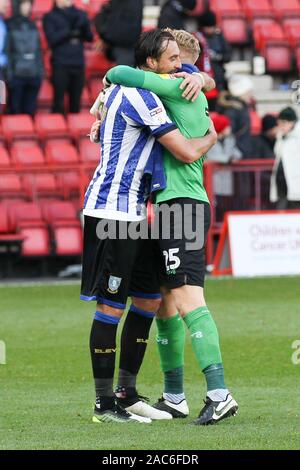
265	243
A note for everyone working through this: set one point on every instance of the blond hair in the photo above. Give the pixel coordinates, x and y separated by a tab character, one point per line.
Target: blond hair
186	41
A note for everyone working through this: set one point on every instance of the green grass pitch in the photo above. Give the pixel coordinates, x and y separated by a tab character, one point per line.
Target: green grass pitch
46	389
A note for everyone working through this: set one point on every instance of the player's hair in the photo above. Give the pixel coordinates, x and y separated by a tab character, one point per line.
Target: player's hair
152	44
185	41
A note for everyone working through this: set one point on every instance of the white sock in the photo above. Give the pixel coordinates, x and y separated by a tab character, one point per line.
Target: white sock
219	394
174	397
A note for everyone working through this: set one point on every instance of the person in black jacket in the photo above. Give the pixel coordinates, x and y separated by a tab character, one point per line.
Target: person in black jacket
263	144
218	48
119	26
173	13
24	70
66	28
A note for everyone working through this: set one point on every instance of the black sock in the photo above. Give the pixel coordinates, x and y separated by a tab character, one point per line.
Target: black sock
103	354
134	341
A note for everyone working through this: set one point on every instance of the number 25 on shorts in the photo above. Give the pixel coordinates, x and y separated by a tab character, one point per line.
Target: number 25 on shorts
171	260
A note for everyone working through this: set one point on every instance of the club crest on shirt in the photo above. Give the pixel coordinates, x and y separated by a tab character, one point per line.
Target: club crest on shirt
114	284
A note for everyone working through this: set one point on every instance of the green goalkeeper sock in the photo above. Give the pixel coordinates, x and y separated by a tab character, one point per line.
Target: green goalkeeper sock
205	342
170	340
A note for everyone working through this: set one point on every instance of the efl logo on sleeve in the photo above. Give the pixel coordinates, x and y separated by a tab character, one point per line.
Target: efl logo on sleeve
155	111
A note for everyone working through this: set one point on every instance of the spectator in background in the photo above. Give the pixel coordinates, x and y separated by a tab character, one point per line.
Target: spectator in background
173	13
236	105
205	65
224	151
67	28
285	179
263	144
3	33
219	50
119	26
24	61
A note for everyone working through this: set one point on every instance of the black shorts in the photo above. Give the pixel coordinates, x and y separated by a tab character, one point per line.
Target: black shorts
184	250
113	269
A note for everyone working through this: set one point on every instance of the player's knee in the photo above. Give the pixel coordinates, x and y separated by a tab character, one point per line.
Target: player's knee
148	305
188	298
108	310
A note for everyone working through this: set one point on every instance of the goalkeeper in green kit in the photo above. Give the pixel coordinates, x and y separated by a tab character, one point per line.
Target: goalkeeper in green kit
183	272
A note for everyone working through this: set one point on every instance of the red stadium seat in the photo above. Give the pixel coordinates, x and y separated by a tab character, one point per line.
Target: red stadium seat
54	211
19	126
228	7
286	8
68	239
4	225
4	158
41	7
24	212
65	226
61	153
94	6
95	85
26	218
69	184
45	98
40	185
47	63
258	8
28	143
89	152
96	64
86	100
10	186
27	156
278	58
268	32
36	241
49	126
39	25
80	124
292	29
235	29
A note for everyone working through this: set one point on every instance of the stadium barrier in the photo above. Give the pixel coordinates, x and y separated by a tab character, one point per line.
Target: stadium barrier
250	183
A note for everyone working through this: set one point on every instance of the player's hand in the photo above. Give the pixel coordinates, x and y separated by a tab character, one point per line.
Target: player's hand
192	85
95	130
212	131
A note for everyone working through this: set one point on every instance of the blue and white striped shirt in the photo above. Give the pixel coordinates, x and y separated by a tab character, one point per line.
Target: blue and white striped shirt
134	118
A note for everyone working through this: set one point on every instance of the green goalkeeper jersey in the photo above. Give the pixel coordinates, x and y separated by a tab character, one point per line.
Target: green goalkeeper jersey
183	180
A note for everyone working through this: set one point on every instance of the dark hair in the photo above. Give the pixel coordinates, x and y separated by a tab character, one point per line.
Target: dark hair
288	114
150	44
208	18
